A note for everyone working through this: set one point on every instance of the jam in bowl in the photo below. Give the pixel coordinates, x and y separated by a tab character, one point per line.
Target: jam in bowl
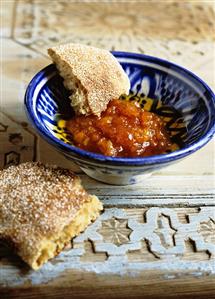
174	107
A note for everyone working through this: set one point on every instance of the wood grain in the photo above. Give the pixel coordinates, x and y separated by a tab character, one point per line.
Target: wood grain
151	285
157	190
128	242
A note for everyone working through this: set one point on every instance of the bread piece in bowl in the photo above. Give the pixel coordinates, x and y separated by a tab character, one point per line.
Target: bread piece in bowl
92	75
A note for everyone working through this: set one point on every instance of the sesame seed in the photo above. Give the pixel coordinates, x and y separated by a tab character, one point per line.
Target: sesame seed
37	201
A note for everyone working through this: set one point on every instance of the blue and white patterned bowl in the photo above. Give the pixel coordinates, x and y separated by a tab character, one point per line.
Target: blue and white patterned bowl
185	99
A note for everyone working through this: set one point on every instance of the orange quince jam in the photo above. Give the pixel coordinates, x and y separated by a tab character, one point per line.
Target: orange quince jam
124	129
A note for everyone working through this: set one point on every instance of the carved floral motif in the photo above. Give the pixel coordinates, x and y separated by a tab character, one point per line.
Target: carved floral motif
207	230
116	234
116	26
160	228
115	231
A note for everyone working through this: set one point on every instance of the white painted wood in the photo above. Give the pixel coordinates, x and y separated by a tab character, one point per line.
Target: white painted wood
162	190
165	235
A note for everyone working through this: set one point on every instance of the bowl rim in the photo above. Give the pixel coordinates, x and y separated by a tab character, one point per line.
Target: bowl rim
149	160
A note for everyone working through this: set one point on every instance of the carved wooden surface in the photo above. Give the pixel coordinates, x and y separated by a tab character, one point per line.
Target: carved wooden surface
156	239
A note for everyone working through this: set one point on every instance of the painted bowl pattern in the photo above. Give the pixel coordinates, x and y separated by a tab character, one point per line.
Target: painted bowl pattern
185	102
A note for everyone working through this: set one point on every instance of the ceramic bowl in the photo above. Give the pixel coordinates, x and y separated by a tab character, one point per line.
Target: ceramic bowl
174	93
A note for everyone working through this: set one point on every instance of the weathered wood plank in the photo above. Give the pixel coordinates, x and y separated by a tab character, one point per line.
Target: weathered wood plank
128	242
151	284
157	190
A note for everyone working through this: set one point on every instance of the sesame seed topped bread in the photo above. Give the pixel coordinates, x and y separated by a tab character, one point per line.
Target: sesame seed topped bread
92	75
41	209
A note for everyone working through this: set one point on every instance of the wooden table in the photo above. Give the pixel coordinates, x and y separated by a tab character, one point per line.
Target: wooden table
156	239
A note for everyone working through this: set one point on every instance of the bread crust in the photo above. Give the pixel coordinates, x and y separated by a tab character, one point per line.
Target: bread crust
41	209
98	76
